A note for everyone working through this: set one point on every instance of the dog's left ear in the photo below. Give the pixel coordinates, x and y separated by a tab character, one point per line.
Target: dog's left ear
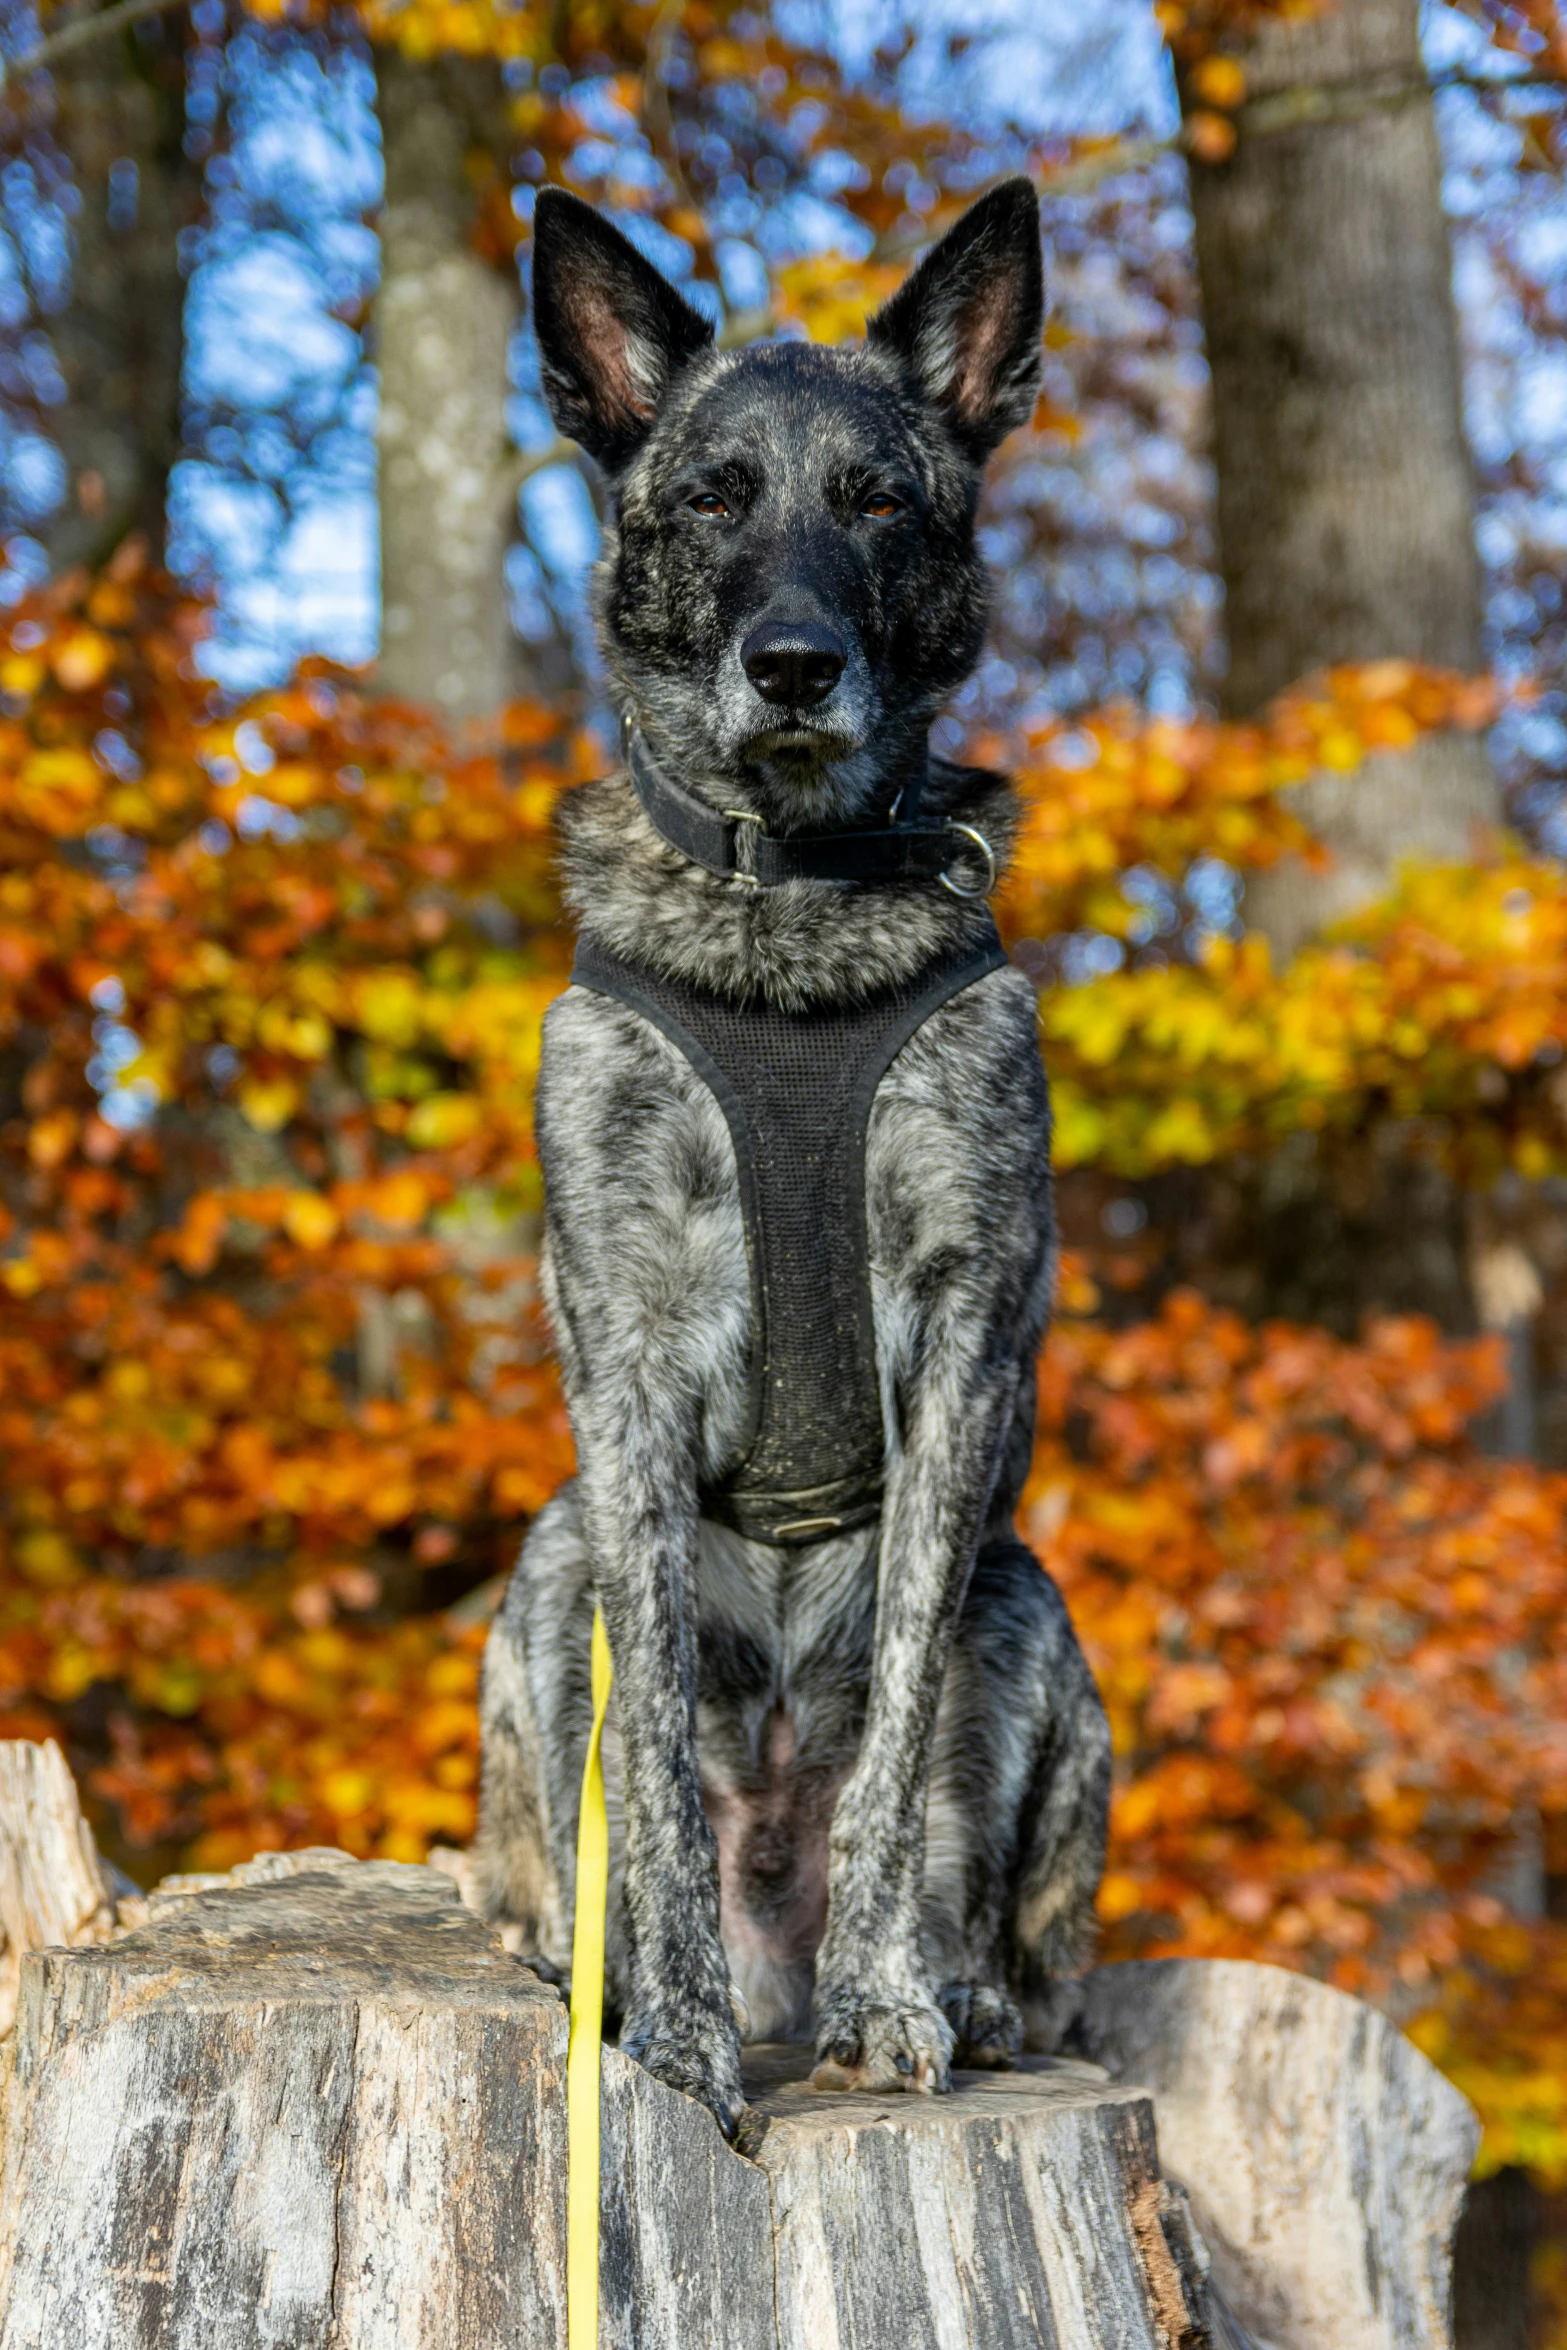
969	320
613	333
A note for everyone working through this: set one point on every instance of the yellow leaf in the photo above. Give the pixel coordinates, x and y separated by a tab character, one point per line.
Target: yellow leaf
1220	81
1341	750
445	1119
48	1560
310	1219
268	1102
82	659
347	1792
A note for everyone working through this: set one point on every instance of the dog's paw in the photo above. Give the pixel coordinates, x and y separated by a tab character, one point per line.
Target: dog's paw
699	2056
987	2025
865	2043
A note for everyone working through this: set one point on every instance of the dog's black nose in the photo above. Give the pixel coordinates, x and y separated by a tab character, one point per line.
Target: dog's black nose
793	661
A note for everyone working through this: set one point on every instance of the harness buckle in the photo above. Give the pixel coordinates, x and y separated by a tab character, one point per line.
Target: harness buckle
985	850
745	866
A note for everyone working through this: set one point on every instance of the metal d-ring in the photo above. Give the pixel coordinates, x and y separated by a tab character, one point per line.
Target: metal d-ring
985	850
746	878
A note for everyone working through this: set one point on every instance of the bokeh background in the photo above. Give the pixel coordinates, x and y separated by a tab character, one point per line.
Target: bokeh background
294	666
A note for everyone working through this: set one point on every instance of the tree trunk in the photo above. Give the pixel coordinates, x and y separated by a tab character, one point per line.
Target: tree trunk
120	115
1344	482
443	320
1492	2302
1346	534
1345	513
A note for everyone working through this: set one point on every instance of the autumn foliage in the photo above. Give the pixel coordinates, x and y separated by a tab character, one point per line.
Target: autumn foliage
1334	1648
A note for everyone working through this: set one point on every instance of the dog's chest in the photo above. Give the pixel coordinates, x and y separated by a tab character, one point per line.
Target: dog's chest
796	1089
660	1266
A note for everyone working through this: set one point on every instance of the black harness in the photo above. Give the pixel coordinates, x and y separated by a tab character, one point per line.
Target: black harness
796	1089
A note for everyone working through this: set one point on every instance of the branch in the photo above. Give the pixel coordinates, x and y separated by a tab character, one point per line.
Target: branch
1074	179
1280	110
1348	101
521	465
80	34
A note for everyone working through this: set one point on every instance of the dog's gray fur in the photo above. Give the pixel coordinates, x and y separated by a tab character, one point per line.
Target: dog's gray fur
866	1779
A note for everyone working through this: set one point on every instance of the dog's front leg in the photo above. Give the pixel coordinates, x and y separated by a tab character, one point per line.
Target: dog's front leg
638	1480
878	2022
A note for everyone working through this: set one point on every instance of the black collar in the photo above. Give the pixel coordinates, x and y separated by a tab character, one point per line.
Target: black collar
738	848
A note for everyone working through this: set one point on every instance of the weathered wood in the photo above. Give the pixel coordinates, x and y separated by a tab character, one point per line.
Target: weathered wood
327	2109
317	2102
286	2114
1324	2156
1025	2209
53	1887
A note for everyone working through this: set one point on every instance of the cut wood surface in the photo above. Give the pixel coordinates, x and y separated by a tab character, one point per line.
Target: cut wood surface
1324	2156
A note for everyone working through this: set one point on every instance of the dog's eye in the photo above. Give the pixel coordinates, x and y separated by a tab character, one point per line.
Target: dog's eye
881	505
707	502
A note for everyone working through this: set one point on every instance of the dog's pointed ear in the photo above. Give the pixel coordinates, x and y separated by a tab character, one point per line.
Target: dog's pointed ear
969	320
613	333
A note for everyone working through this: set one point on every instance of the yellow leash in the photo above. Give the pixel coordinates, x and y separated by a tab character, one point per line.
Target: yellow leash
587	2025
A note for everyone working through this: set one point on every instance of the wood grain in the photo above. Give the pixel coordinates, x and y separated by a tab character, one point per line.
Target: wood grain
315	2104
325	2110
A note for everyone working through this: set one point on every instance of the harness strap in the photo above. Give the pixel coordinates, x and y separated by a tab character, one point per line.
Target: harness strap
737	847
583	2055
796	1090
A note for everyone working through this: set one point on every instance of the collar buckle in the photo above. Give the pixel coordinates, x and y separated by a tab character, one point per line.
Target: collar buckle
744	873
978	841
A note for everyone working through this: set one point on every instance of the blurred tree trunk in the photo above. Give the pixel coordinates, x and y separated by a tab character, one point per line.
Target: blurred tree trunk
443	320
1344	483
120	116
1492	2295
1345	512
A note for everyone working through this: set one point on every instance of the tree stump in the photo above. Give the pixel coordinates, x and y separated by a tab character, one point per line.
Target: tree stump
329	2110
53	1886
316	2105
1324	2157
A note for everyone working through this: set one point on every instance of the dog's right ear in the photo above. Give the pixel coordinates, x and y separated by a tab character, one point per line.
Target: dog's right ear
613	333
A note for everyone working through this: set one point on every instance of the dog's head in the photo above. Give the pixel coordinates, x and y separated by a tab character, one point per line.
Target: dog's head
790	587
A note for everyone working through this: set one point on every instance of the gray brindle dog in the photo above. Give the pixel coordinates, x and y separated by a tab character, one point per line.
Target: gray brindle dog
795	1138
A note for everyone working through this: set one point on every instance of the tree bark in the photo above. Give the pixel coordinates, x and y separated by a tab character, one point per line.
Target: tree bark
1344	480
316	2102
53	1886
443	321
120	115
1325	2158
1345	513
320	2105
1345	518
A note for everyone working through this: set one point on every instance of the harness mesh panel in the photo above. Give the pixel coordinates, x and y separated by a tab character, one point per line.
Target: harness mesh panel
796	1090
